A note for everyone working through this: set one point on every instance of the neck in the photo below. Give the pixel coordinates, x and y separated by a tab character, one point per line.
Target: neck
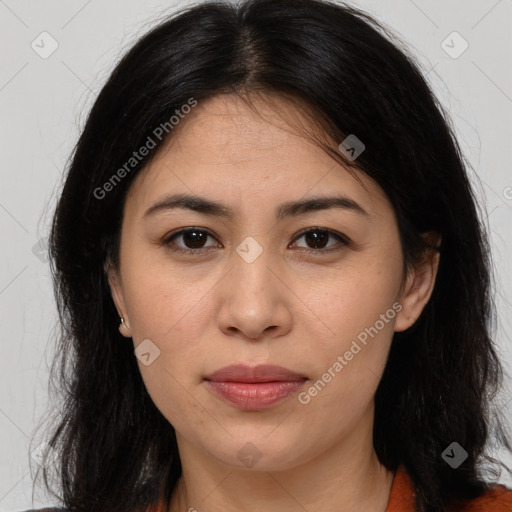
345	477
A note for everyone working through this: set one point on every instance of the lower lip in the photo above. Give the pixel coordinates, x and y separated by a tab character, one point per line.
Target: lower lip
257	395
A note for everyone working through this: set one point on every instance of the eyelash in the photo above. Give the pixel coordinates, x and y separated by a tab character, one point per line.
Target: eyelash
345	241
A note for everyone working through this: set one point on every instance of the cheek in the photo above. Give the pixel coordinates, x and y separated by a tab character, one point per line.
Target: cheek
175	323
173	310
352	297
347	369
356	310
165	303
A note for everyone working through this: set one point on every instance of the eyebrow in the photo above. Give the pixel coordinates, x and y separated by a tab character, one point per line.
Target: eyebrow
289	209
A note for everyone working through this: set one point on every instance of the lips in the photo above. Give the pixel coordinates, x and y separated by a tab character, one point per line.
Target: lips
254	388
262	373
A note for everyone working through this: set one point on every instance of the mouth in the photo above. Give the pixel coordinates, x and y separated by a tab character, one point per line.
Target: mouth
254	388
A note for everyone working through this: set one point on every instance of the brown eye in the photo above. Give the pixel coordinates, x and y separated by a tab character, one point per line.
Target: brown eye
318	238
192	239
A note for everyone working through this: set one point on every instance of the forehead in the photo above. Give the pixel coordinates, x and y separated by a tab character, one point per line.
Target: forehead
253	120
226	147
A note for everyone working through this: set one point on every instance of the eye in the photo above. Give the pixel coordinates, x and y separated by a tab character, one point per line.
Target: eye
194	240
318	238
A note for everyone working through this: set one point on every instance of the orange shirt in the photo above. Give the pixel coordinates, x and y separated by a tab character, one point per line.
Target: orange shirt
401	498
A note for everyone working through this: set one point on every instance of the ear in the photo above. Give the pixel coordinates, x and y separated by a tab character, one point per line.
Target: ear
116	291
419	284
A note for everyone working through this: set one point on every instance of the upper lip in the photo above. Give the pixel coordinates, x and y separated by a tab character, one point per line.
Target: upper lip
261	373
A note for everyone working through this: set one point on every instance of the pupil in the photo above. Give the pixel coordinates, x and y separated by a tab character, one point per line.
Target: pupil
194	239
317	238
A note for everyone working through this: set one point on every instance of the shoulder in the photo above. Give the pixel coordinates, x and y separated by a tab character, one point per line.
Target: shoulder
496	499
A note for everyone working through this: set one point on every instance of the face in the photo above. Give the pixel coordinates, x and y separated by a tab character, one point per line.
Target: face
264	276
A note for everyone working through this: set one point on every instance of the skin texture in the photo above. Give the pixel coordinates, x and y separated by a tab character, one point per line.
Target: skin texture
293	306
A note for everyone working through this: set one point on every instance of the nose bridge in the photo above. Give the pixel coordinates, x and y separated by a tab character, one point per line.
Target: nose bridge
252	300
250	265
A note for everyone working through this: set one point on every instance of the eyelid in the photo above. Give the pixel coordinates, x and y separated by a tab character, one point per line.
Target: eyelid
343	239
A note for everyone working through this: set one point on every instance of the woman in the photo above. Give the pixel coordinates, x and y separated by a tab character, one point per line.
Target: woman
273	281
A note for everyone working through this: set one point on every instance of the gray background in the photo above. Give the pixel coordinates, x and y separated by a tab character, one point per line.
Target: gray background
44	102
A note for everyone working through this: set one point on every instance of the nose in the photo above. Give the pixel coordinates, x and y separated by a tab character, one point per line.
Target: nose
256	300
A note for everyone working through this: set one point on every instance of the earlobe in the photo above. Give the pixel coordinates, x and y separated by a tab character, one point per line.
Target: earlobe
419	285
116	292
124	328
